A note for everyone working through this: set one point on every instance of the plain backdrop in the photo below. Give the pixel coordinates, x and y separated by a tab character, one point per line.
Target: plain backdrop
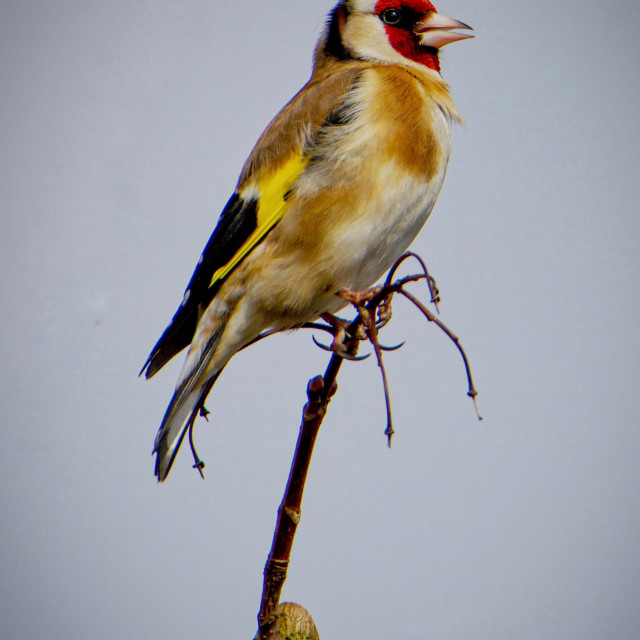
124	127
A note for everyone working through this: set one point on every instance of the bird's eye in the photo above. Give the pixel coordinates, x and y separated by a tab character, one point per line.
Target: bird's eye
390	16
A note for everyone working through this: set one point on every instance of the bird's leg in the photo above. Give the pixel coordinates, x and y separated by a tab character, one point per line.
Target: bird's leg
360	298
369	307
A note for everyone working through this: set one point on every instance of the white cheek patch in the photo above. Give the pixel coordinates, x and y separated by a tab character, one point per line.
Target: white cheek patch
366	37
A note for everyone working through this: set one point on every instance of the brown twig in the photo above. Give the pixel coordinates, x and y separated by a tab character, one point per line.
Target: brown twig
434	292
472	392
373	338
319	392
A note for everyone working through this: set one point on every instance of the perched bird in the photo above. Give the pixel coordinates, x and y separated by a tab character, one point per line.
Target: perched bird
334	191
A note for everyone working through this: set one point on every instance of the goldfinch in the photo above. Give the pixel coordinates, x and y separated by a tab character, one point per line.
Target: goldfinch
334	191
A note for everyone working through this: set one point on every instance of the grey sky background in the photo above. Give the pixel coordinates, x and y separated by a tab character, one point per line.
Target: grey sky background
124	127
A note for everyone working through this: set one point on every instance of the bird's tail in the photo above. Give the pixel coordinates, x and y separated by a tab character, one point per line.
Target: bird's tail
171	433
194	386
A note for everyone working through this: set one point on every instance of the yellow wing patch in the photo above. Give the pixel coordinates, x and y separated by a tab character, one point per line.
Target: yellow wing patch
272	189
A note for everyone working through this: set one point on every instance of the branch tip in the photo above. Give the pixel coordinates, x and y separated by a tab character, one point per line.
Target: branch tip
315	387
473	394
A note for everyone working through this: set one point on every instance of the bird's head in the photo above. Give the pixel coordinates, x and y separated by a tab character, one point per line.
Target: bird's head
391	31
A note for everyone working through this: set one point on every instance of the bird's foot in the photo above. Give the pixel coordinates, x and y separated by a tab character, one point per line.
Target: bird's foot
360	298
344	343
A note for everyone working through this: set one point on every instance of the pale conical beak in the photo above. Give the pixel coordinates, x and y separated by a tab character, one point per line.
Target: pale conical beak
436	31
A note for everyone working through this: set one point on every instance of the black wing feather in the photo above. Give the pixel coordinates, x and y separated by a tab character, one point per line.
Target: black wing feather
237	222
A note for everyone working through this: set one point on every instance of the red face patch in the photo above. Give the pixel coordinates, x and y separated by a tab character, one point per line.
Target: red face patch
403	38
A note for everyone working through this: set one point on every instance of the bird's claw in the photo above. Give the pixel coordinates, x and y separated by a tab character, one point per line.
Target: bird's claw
394	348
339	348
